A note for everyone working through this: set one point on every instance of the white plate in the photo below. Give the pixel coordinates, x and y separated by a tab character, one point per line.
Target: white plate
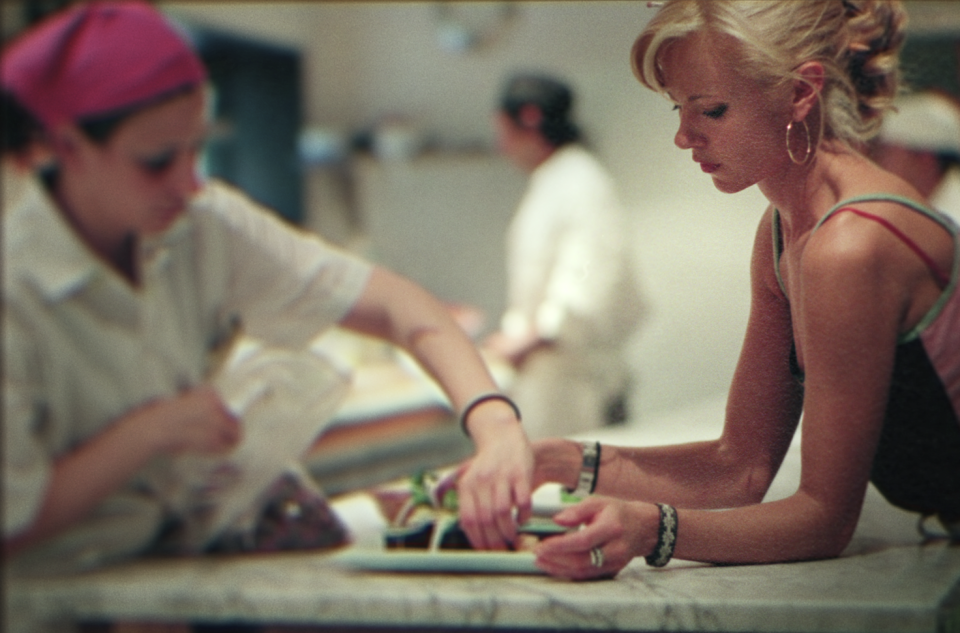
443	561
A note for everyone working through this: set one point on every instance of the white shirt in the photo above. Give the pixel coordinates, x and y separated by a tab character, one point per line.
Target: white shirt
568	268
82	346
946	197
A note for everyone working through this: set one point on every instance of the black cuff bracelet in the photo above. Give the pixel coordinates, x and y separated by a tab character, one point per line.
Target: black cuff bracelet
473	404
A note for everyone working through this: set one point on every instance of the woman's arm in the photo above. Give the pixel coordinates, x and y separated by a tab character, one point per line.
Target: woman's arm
498	478
762	413
194	421
848	308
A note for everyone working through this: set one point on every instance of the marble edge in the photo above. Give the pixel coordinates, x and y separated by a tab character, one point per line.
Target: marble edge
683	596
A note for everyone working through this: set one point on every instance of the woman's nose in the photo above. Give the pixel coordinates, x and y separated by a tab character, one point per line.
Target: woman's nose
687	137
187	180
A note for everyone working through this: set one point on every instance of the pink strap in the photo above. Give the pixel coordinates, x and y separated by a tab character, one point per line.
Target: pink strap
939	275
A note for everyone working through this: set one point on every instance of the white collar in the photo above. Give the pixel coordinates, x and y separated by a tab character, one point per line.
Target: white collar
52	256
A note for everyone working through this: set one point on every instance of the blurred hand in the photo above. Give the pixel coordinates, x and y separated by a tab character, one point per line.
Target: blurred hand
469	318
514	350
621	529
494	487
194	421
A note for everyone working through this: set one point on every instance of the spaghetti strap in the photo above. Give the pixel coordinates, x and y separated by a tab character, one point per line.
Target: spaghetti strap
942	278
945	281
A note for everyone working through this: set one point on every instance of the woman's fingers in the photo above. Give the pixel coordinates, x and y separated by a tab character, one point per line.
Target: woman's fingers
597	550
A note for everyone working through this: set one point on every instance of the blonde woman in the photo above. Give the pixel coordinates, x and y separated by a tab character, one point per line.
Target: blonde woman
854	315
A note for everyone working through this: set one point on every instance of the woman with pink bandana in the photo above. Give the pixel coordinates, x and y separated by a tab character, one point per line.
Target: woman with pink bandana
122	268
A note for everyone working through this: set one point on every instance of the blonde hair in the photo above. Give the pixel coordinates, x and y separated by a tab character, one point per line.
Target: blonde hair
856	41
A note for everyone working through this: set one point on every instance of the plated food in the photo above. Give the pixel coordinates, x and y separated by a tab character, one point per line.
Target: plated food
422	515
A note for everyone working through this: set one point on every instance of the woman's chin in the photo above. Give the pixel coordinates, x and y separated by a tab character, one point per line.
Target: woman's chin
725	186
163	221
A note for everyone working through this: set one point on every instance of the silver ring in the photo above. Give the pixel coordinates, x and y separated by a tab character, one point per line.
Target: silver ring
596	557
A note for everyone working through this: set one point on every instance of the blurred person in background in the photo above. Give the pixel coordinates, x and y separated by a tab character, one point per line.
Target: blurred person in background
920	141
124	270
573	299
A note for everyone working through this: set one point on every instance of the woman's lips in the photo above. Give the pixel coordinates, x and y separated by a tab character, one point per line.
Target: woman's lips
709	168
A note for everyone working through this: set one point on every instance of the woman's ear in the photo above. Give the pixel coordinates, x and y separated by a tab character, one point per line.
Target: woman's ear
64	142
530	116
807	88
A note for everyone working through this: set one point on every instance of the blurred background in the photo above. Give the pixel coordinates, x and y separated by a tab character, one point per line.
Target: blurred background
370	122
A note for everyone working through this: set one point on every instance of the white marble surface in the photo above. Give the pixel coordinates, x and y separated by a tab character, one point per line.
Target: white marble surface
887	581
879	588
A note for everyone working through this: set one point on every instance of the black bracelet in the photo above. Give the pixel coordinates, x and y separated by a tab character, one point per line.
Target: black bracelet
666	537
596	470
480	400
589	469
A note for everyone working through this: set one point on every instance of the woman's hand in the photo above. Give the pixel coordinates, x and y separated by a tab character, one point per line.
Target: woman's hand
621	530
195	421
494	487
512	349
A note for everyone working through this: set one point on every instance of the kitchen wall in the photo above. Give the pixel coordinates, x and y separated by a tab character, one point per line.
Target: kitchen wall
367	61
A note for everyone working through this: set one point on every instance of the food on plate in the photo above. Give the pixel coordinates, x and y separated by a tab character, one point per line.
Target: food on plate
422	514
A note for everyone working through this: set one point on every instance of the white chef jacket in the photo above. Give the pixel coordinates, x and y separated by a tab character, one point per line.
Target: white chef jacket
567	253
946	197
571	280
82	346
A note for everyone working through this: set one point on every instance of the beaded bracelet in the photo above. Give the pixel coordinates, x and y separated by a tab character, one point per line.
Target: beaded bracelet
473	404
589	468
666	537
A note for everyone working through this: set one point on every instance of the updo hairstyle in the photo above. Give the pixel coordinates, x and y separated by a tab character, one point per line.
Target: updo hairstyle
857	41
551	96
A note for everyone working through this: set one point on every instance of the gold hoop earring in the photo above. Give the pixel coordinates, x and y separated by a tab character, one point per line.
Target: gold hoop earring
806	155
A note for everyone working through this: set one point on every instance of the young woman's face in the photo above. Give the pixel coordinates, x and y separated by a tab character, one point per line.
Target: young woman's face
509	135
141	180
515	142
737	134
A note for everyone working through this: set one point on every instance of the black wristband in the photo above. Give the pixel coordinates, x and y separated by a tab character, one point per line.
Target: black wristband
473	404
666	537
596	470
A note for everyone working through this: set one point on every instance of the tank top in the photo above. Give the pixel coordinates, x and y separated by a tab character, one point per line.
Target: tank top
917	463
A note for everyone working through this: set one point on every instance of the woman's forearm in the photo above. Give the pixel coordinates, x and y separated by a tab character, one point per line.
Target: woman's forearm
398	310
192	421
798	527
696	475
83	478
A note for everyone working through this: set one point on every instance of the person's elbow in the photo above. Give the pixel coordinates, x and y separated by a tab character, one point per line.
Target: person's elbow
837	536
831	526
749	479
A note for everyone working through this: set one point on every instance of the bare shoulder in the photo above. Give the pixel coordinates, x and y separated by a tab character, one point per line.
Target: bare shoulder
880	237
882	261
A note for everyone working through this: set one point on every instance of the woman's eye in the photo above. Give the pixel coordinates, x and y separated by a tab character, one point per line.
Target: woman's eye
157	164
717	112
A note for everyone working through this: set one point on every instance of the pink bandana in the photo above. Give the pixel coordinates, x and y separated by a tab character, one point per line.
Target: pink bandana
96	58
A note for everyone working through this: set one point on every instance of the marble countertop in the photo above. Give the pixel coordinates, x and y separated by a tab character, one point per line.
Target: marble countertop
886	581
875	588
